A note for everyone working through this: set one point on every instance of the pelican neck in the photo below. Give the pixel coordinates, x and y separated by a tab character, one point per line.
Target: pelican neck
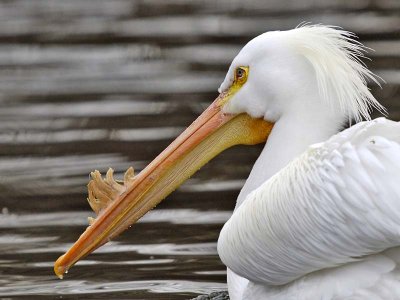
291	135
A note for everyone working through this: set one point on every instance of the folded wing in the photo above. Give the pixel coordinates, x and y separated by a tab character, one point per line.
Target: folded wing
336	203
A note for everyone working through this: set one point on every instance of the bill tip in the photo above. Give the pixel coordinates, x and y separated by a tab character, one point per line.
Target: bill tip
59	268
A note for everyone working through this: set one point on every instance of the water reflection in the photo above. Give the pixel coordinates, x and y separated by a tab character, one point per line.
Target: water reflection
159	289
30	247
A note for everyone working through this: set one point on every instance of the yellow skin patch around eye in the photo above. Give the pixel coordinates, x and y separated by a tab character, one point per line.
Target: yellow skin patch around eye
237	84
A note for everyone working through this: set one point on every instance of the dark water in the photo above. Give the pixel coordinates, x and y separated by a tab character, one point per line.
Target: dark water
89	85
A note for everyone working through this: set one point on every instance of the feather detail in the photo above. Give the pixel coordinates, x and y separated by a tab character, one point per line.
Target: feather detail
336	56
101	192
334	205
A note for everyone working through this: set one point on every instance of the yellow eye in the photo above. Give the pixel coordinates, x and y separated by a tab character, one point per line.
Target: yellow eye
240	73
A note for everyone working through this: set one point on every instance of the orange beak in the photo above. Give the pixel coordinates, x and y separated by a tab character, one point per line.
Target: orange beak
210	134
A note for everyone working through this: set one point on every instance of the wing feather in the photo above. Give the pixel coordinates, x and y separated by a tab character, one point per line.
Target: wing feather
337	203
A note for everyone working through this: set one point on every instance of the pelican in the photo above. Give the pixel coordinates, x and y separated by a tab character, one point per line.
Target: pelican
319	215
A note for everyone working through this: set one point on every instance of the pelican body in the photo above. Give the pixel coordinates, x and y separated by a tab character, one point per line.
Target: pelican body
319	215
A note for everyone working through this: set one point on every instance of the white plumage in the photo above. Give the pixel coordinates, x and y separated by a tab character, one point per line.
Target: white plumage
336	204
320	221
319	215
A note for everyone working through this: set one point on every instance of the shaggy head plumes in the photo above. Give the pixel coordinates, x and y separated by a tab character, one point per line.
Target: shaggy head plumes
341	75
312	67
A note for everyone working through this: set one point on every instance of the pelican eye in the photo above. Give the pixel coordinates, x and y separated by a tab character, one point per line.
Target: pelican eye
241	74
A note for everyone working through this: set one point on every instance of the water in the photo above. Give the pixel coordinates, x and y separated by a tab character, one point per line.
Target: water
170	252
89	85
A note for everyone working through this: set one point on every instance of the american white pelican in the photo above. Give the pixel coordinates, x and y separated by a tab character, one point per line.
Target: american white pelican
319	215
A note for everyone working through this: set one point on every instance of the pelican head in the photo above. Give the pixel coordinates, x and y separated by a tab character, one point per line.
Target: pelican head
310	70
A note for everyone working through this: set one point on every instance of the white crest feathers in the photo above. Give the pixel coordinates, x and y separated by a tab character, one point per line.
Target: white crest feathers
336	56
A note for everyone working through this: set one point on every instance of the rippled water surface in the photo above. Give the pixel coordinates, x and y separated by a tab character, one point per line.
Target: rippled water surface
170	252
89	85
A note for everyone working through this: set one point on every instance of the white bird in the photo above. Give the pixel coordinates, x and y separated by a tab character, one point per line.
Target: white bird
323	226
319	215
